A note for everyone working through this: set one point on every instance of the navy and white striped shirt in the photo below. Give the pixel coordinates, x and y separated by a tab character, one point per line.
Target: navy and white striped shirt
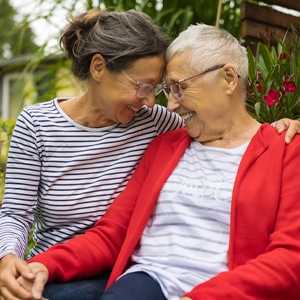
64	175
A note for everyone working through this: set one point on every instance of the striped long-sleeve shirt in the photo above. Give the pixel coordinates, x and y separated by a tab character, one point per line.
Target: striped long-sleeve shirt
63	176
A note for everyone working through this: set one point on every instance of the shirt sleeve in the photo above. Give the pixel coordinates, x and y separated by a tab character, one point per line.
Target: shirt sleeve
21	185
164	120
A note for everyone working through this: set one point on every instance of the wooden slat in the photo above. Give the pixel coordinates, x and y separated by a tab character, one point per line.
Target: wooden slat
256	19
291	4
267	15
252	30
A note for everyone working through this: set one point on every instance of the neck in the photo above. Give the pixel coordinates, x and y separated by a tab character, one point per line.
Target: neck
232	135
84	112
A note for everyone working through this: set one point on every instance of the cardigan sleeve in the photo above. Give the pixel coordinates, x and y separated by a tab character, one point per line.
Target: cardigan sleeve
23	170
274	273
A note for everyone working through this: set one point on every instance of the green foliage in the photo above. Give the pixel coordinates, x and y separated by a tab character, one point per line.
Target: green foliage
175	15
6	130
274	80
16	38
30	243
50	74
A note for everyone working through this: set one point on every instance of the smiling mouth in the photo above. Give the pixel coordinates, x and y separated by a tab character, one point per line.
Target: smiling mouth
188	115
133	108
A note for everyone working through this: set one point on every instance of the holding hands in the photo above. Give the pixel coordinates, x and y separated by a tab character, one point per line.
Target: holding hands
21	281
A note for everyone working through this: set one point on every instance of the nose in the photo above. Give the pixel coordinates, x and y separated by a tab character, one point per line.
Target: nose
149	100
173	104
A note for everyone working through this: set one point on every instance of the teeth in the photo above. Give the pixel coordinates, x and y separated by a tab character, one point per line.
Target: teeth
133	108
188	115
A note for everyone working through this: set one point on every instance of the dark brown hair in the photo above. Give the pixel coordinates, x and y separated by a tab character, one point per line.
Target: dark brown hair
120	37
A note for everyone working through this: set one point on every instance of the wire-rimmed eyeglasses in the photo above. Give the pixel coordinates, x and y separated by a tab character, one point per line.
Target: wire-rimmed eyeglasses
144	89
175	87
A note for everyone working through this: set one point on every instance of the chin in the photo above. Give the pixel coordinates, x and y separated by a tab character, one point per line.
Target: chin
191	133
127	121
194	132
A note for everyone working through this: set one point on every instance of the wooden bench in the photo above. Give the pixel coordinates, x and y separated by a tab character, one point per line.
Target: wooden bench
261	20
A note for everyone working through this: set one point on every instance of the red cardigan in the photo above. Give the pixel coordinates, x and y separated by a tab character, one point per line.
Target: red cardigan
264	246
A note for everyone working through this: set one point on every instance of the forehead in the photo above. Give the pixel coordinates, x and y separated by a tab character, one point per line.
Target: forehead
178	66
150	62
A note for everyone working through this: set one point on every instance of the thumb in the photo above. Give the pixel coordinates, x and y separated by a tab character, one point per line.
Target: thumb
23	269
41	279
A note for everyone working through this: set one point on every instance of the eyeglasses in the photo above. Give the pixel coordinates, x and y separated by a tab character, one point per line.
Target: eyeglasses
175	87
144	89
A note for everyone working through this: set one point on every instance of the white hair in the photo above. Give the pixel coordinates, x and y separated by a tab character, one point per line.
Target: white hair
210	46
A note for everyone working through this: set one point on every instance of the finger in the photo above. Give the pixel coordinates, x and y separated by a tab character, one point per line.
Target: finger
280	126
25	283
24	270
290	134
39	284
7	295
13	290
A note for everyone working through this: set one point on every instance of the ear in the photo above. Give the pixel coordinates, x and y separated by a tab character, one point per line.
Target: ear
97	66
231	78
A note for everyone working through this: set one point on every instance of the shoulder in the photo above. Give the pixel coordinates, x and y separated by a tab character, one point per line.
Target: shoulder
40	105
274	145
37	113
39	108
269	134
171	138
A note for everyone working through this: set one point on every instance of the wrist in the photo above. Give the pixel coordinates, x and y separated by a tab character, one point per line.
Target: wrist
7	257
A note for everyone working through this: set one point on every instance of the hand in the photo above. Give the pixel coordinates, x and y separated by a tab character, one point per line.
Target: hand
37	285
292	127
185	298
10	269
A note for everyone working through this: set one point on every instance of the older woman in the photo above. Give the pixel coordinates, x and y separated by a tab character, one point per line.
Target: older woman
212	211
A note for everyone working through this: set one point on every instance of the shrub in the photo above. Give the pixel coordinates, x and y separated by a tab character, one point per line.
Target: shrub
274	79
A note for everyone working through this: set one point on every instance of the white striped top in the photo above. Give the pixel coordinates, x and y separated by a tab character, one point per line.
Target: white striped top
186	240
65	175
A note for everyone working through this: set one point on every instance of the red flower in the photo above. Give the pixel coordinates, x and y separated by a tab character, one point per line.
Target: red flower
259	87
282	55
289	86
272	97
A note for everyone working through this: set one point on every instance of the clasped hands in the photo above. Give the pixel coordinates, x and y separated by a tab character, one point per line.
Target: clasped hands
25	282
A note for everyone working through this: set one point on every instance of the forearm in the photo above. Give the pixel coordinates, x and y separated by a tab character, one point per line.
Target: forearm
249	282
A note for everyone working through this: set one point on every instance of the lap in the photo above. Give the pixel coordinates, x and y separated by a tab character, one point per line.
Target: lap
87	289
134	286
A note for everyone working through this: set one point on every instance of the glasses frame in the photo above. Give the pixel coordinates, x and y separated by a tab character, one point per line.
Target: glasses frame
167	88
141	91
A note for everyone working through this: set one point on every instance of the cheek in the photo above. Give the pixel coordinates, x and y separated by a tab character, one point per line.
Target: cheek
124	97
191	101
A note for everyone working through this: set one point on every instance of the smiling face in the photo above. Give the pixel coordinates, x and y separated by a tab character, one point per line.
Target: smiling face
114	93
202	102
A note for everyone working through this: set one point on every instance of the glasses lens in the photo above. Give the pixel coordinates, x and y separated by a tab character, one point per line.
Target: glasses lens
144	91
176	90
